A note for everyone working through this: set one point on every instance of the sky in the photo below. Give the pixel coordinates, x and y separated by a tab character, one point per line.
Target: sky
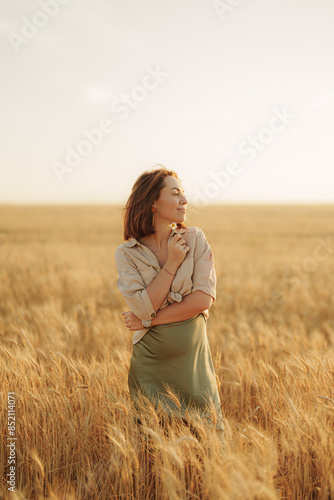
235	96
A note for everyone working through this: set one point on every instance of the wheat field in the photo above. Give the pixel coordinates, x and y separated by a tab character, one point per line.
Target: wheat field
65	355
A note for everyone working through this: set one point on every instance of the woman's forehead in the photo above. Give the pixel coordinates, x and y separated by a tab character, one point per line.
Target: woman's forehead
174	184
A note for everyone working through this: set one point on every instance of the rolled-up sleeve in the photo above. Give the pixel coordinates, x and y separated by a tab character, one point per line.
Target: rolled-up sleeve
131	285
204	275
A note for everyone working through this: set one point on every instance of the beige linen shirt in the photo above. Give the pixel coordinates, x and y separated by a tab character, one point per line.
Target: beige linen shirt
137	267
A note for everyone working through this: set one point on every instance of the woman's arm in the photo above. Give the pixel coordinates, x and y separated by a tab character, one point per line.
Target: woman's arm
191	304
143	301
160	286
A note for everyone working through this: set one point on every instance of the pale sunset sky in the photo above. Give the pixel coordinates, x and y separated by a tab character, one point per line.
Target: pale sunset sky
236	96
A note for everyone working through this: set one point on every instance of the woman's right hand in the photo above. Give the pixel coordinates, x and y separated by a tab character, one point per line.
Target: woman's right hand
177	250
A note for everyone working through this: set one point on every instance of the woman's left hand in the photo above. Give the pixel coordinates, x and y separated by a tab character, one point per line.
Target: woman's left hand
132	322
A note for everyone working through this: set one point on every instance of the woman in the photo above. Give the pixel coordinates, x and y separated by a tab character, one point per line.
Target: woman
167	277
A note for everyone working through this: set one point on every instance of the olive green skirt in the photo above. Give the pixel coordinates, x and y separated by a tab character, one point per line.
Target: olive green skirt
177	356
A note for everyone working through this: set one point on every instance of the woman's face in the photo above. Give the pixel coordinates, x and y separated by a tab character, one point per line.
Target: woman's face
171	199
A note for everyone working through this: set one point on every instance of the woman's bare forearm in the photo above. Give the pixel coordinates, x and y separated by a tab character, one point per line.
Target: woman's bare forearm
191	304
160	286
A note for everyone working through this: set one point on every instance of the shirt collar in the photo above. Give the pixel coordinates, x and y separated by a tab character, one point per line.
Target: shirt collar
133	241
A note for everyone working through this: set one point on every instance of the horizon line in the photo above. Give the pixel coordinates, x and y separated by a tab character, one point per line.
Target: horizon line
82	204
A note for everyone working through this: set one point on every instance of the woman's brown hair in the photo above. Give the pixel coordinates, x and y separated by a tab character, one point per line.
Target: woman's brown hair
138	218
